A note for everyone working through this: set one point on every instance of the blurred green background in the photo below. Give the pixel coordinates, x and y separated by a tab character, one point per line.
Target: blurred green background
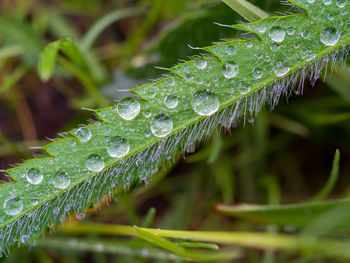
283	157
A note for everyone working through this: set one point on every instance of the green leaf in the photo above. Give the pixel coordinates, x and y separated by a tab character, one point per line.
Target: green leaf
48	57
126	147
297	215
246	9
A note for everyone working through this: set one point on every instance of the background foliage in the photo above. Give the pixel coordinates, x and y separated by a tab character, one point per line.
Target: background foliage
284	157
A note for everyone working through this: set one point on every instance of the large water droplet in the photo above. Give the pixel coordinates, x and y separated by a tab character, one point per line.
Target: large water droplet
171	101
277	34
230	70
161	125
128	108
118	146
34	176
83	134
61	180
13	205
95	163
329	36
281	69
200	63
205	103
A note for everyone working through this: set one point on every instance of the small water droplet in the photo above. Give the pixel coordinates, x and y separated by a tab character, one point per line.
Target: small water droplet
188	76
249	44
261	29
95	163
341	3
327	2
258	73
83	134
171	101
170	81
329	36
230	70
117	147
34	176
200	63
275	46
205	103
80	216
13	205
25	239
305	34
277	34
161	125
230	50
128	108
243	89
61	180
290	30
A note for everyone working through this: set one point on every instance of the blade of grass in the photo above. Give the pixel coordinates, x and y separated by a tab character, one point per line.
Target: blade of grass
247	10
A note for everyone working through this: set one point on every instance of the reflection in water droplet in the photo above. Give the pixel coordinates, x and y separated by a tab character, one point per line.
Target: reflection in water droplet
329	36
200	63
161	125
258	73
281	69
205	103
118	146
34	176
128	108
13	205
171	101
95	163
83	134
230	70
61	180
277	34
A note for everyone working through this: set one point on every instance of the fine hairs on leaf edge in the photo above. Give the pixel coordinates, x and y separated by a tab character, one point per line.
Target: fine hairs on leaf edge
147	161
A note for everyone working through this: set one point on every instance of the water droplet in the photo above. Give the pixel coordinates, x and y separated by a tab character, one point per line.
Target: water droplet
329	36
161	125
170	81
305	34
311	1
230	50
80	216
200	63
13	205
83	134
261	29
171	101
249	44
290	30
188	76
25	239
281	69
95	163
327	2
330	17
117	147
128	108
277	34
61	180
147	113
205	103
275	46
258	73
243	89
34	176
341	3
230	70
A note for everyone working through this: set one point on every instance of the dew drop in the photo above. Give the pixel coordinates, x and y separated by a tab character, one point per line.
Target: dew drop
341	3
128	108
95	163
249	44
13	205
61	180
310	1
327	2
117	147
277	34
200	63
161	125
230	70
205	103
188	76
83	134
243	89
275	46
305	34
171	101
261	29
280	69
329	36
170	81
230	50
34	176
290	30
258	73
25	239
